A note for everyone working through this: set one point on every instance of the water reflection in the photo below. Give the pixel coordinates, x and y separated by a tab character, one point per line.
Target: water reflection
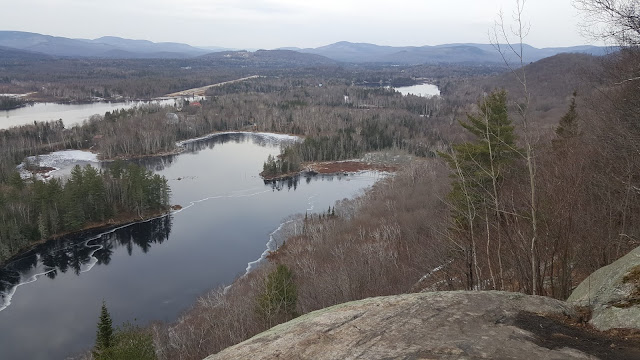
260	139
228	216
77	254
159	163
290	182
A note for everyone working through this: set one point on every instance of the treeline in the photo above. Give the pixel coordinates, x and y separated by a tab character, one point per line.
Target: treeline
347	143
79	80
493	225
18	142
35	210
340	121
283	164
121	133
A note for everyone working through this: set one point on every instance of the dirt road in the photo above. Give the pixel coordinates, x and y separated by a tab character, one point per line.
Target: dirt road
201	90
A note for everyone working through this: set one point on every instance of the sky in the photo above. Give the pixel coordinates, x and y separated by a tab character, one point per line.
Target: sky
269	24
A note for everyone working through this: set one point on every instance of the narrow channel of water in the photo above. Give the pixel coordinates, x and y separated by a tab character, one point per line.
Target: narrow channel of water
70	114
156	269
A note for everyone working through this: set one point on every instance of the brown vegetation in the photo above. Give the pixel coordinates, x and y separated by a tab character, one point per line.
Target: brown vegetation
377	244
394	238
335	167
397	237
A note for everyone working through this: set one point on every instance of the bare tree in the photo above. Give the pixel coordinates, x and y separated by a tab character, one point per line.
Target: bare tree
611	20
509	42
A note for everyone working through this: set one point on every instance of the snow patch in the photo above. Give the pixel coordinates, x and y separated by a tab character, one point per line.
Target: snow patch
57	160
58	157
17	95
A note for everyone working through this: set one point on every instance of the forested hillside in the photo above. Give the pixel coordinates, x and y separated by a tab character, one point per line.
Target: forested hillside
542	190
520	178
36	210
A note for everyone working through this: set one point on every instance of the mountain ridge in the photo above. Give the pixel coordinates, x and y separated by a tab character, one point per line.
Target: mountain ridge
342	51
451	53
104	47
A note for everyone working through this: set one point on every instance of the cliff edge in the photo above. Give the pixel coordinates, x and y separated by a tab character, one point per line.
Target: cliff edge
437	325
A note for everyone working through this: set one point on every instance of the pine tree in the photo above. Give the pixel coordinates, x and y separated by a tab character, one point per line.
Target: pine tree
15	181
278	300
477	169
95	196
568	126
104	336
74	199
480	163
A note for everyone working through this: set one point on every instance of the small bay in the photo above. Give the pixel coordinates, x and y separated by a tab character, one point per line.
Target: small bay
154	270
71	114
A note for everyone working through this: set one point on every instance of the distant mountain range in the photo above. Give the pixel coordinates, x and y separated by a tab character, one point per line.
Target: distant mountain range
11	54
449	53
104	47
29	45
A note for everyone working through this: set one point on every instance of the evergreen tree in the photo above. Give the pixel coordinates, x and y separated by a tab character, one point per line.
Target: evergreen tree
104	336
15	181
568	126
278	300
94	202
34	210
477	169
480	163
74	199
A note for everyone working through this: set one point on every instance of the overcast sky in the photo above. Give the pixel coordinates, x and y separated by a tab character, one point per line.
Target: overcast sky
270	24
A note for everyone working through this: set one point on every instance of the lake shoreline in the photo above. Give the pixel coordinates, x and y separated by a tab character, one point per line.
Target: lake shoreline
45	99
13	107
130	218
180	145
180	148
124	220
231	215
331	168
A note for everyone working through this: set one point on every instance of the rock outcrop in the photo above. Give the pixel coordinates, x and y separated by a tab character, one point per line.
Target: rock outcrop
613	294
435	325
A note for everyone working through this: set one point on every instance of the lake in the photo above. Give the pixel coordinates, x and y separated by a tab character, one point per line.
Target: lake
424	90
70	114
156	269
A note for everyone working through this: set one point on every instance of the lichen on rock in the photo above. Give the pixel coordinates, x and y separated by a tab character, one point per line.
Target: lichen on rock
613	294
434	325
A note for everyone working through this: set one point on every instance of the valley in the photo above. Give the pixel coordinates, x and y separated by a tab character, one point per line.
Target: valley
197	196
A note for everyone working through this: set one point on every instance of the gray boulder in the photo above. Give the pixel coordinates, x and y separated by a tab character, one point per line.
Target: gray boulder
434	325
612	293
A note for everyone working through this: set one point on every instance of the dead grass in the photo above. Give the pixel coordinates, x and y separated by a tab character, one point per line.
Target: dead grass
334	167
